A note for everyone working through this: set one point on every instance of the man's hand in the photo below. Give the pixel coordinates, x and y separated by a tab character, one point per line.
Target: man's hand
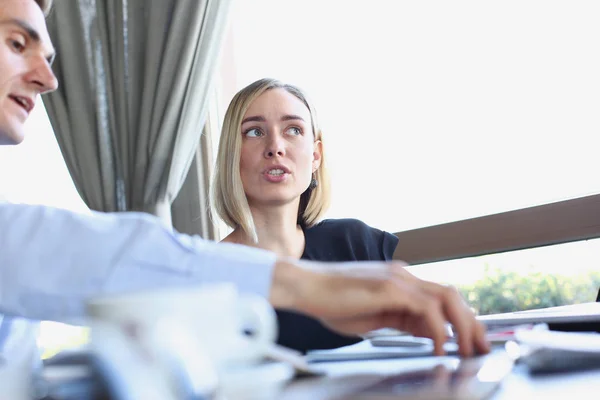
354	298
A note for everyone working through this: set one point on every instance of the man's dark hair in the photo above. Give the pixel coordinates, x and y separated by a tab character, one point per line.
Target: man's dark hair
45	5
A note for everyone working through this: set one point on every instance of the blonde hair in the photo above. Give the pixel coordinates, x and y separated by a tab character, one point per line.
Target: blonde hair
228	198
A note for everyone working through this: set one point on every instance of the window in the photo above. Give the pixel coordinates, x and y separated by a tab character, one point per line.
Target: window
35	173
436	111
550	276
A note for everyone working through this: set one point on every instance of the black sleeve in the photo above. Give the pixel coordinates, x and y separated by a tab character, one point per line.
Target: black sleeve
370	244
348	240
384	243
389	242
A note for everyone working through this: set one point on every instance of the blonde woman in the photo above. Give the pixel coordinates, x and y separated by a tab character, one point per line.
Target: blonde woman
271	187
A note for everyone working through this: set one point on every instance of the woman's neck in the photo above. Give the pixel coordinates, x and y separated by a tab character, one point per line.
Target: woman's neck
277	230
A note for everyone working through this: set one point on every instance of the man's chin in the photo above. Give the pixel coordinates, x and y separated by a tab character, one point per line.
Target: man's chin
9	137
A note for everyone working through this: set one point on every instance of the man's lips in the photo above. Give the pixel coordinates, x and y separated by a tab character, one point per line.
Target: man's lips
25	102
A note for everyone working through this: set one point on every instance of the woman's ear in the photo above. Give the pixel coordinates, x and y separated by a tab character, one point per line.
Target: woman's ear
317	153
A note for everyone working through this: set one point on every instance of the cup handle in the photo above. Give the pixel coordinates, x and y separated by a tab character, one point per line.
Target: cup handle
259	316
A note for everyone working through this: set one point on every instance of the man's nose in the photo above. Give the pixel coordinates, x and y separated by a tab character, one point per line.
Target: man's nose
42	76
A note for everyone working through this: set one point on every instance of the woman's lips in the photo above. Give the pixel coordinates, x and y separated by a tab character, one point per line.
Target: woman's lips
275	176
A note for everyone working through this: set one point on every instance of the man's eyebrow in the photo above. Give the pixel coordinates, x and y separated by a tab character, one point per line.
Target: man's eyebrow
255	119
30	31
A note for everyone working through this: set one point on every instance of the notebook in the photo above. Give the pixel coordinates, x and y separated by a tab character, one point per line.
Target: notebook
571	314
365	350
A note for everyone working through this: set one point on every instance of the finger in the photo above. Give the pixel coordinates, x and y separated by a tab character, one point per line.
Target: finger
461	318
425	311
436	322
482	345
458	314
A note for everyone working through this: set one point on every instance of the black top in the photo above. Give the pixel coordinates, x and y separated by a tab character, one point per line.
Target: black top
332	240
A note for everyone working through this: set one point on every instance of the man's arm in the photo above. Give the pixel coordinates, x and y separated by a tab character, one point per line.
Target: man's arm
52	260
357	297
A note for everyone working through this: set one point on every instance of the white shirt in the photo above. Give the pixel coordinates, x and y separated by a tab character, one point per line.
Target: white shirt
52	260
17	335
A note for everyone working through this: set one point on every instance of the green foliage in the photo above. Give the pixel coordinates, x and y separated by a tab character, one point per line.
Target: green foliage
506	291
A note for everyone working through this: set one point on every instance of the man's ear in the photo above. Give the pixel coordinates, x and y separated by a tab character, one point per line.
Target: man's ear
317	154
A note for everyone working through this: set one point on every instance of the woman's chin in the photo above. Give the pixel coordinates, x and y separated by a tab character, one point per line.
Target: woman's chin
274	201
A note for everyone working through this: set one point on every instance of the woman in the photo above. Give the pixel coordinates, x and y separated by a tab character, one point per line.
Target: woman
271	187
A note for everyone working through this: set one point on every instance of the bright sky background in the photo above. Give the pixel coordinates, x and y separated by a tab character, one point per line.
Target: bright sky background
35	172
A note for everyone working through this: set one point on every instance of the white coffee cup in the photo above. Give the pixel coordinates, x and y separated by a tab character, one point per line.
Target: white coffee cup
142	336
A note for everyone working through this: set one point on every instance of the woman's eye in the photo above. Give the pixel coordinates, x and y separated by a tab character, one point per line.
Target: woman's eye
253	132
294	131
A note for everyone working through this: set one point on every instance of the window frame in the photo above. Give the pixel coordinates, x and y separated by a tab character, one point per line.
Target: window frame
544	225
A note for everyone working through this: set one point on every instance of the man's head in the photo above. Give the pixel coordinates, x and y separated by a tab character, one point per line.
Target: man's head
45	5
26	54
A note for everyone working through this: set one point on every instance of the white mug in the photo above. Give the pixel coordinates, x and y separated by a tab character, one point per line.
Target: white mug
198	332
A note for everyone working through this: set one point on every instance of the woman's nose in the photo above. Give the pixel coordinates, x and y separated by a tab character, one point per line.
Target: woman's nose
275	147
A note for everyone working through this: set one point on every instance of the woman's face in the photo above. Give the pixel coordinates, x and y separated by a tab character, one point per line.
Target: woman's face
279	152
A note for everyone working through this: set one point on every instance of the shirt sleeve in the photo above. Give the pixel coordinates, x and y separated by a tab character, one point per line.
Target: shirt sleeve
377	245
389	242
52	260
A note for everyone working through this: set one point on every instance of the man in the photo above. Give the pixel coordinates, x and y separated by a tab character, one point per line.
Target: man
52	260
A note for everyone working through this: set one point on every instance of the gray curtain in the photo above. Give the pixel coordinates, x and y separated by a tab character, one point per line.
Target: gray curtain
135	82
191	209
